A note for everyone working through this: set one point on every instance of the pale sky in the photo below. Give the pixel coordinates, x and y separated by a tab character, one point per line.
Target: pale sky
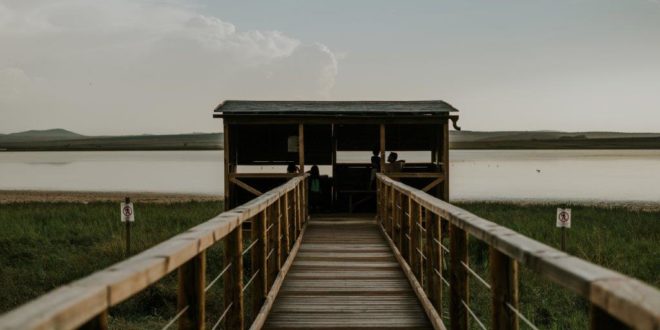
148	66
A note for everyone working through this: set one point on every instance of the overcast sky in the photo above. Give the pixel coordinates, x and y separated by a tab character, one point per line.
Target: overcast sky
149	66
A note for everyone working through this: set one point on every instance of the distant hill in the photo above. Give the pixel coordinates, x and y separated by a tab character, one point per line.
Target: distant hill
40	135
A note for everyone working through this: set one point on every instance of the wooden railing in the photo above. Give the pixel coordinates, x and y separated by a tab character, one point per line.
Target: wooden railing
417	224
277	221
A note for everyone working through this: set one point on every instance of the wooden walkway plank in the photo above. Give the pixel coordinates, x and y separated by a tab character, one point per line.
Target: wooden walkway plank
346	277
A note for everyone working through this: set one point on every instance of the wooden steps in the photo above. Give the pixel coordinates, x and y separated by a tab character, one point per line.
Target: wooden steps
345	277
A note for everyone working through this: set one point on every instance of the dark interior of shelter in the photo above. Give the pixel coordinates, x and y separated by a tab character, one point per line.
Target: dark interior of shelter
266	143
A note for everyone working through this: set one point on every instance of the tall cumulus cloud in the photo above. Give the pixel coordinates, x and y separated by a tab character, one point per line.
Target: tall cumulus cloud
162	64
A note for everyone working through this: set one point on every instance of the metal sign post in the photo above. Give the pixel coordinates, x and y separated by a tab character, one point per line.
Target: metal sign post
563	222
127	216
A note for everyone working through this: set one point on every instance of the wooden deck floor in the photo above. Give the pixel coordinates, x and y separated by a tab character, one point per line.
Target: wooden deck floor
346	277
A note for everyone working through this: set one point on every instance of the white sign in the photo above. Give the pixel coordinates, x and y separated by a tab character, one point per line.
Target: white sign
563	218
292	144
127	213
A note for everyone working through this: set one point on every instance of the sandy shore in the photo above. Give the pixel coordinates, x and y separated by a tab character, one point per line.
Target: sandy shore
22	196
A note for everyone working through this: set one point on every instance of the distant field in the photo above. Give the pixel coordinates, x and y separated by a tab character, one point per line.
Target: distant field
568	143
45	245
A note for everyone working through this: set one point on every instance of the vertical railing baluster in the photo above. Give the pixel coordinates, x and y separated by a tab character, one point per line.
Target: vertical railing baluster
191	293
233	283
504	284
458	278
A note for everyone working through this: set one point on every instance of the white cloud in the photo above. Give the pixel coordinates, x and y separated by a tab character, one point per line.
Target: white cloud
108	59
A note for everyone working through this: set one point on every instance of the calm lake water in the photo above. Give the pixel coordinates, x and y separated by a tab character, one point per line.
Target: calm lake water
610	175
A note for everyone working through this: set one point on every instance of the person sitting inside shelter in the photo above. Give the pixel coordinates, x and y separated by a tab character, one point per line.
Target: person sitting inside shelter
375	168
314	188
394	164
292	168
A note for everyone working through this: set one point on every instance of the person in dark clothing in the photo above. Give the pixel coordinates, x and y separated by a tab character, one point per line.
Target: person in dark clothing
375	168
314	189
292	168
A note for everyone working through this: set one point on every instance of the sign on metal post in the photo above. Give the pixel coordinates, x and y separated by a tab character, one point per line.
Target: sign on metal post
127	212
563	218
127	216
563	222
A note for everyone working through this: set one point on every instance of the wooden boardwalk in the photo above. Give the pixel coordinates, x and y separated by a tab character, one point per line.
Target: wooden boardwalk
346	277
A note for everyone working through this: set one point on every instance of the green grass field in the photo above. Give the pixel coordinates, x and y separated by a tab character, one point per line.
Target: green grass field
45	245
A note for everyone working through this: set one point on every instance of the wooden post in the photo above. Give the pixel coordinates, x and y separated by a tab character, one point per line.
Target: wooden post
458	278
234	279
415	211
99	322
445	161
601	320
301	147
435	261
504	284
382	148
404	242
227	165
392	204
191	293
287	231
260	261
278	230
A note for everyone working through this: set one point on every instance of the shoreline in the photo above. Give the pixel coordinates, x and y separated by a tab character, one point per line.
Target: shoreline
53	196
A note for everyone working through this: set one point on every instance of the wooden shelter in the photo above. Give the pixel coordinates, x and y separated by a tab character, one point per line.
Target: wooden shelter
263	138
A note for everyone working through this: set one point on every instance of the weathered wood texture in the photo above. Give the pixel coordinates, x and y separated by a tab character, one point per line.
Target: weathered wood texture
616	300
345	277
84	303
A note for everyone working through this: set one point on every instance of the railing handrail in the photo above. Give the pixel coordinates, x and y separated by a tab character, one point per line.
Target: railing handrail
73	304
629	300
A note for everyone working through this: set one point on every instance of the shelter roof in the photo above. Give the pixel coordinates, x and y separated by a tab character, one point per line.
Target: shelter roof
333	108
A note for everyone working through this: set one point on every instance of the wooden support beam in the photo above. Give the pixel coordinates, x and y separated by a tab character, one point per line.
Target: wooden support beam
458	278
406	227
504	284
234	279
191	293
433	184
246	186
